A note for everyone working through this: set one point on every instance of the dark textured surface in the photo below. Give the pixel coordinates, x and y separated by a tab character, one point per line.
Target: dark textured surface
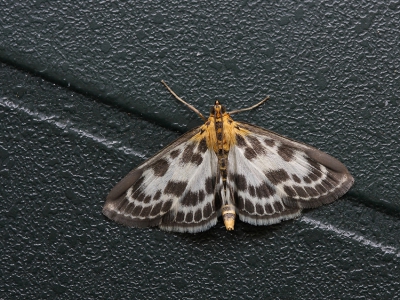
332	71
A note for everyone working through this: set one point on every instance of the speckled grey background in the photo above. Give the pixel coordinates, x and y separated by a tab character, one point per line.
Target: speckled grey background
81	104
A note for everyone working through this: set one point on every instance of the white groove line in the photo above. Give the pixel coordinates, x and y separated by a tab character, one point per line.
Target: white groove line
351	235
69	126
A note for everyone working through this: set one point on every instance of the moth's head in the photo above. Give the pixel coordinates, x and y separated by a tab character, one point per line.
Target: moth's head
217	109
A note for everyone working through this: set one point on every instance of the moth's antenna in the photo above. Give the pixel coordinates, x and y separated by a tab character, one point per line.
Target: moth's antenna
249	108
184	102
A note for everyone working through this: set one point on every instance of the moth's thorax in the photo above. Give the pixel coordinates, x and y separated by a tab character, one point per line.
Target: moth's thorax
220	132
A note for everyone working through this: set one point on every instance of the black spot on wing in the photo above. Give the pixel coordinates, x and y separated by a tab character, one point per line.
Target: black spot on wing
156	209
175	153
300	191
240	141
308	180
198	215
278	206
289	191
201	196
147	199
239	201
264	191
180	216
187	153
248	206
313	177
207	210
277	176
129	208
202	146
296	178
240	181
157	195
136	211
146	211
320	188
259	209
166	205
256	145
175	187
190	155
269	143
318	173
197	159
193	198
135	194
189	217
328	184
160	167
217	201
209	185
249	153
286	153
139	195
252	191
190	199
268	208
311	191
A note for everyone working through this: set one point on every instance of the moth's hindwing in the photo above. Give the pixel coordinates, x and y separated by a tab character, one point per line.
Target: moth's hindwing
173	190
273	177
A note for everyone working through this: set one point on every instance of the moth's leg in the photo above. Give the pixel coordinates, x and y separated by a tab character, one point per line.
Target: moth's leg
184	102
249	108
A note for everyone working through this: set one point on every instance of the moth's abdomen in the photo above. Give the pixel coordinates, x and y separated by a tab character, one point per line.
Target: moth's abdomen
228	215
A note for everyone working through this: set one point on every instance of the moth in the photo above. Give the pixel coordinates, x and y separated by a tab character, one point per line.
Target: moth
227	168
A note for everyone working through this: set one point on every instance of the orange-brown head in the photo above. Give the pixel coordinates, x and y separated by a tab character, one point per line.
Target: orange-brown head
217	110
